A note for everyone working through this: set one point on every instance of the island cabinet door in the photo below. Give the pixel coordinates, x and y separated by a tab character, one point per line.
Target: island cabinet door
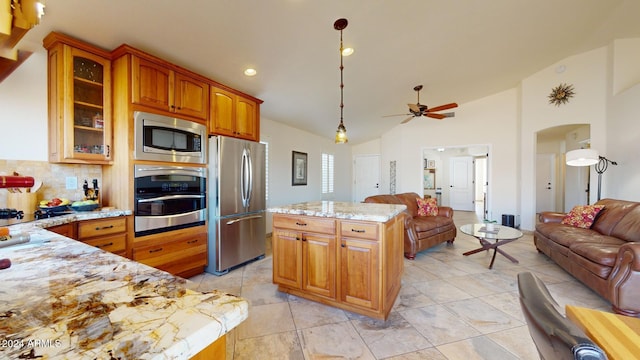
359	272
287	258
319	264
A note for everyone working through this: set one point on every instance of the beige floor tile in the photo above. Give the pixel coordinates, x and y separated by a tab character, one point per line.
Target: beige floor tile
266	320
482	316
308	314
438	324
336	341
517	341
285	346
476	348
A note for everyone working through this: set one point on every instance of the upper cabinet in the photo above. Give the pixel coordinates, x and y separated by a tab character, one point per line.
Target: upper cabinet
234	115
80	128
165	89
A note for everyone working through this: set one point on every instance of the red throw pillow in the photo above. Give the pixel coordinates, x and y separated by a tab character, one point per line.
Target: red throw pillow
582	216
427	207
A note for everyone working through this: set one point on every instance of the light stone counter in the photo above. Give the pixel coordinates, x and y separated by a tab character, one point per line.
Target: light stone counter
342	210
63	299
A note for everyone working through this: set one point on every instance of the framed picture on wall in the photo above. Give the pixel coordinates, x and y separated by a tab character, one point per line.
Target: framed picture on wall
298	168
431	164
430	179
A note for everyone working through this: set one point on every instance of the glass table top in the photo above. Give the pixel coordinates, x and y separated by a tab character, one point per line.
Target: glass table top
500	232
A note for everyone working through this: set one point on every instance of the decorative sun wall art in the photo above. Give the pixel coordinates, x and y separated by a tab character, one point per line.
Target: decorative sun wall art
561	94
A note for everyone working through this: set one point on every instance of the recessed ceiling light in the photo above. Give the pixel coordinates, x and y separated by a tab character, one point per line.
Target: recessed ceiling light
347	51
250	72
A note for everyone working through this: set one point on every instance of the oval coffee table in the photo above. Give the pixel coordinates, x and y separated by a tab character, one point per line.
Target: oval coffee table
492	239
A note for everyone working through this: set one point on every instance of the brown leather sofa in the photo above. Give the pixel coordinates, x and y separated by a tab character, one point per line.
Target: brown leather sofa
421	232
605	257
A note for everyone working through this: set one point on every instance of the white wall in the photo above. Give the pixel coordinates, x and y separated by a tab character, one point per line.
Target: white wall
23	114
492	120
587	72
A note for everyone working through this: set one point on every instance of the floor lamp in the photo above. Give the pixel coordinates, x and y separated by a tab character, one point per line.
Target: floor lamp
588	157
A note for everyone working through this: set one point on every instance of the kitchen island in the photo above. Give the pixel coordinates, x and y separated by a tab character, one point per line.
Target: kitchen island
63	299
347	255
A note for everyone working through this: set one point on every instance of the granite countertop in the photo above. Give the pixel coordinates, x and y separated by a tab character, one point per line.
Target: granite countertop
342	210
29	221
63	299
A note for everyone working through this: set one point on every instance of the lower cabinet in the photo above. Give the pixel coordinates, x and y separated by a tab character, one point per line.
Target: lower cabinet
109	234
180	252
353	265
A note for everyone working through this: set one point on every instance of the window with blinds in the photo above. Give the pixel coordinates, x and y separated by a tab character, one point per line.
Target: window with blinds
327	174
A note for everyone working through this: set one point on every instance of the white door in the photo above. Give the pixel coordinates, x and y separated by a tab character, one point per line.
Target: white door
461	190
366	176
545	182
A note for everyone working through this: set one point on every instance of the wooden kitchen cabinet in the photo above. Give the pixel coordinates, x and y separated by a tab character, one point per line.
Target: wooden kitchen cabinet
109	234
68	230
184	253
234	115
79	88
165	89
353	265
306	253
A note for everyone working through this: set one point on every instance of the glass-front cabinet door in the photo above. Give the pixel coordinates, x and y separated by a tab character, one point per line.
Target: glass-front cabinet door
80	128
90	136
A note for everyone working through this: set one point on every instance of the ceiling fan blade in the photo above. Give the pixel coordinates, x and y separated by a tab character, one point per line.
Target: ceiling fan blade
435	116
407	120
443	107
396	115
449	114
415	107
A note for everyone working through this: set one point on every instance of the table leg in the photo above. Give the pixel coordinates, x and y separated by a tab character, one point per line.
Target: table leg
486	245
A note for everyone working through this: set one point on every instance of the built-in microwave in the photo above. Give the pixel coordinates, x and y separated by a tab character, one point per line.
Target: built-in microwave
164	138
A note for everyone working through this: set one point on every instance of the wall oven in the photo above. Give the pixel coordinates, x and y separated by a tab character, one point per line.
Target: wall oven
163	138
168	198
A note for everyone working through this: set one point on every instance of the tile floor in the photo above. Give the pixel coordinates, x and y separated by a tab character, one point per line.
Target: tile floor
450	307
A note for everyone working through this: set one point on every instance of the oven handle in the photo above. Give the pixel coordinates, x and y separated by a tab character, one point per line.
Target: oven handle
171	197
231	222
178	170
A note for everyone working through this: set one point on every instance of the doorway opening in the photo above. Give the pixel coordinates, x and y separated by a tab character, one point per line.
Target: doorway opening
458	176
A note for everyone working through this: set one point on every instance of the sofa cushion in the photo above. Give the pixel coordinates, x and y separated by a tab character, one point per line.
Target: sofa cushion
628	228
613	212
427	207
599	253
582	216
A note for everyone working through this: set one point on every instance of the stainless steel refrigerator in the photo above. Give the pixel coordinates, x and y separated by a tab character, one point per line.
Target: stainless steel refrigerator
236	207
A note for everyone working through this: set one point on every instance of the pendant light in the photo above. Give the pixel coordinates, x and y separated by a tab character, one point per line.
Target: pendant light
341	134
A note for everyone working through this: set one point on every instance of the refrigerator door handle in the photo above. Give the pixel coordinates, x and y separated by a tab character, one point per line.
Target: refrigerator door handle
244	174
250	185
231	222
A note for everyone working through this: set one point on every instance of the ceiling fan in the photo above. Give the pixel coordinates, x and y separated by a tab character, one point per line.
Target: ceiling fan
417	109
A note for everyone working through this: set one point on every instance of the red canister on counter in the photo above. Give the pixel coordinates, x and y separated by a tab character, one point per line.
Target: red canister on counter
7	181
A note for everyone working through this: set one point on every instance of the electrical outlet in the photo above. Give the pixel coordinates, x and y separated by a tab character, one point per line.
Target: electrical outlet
71	183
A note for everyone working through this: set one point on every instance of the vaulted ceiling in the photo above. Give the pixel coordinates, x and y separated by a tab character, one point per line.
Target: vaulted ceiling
460	50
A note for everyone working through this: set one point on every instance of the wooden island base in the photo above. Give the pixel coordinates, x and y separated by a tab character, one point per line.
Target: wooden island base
354	265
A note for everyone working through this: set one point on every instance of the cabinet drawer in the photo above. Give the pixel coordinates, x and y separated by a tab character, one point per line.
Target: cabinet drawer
163	254
308	224
363	230
112	243
91	228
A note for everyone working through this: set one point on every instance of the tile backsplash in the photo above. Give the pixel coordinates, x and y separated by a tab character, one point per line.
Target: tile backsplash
53	178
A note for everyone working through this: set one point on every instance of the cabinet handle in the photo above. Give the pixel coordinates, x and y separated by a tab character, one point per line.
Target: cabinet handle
297	238
155	250
104	245
98	228
358	231
192	241
300	224
173	106
108	150
343	245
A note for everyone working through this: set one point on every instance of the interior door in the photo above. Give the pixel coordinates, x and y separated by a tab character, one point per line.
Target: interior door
367	176
461	191
545	183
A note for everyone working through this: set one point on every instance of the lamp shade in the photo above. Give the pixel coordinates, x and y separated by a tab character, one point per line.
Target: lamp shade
582	157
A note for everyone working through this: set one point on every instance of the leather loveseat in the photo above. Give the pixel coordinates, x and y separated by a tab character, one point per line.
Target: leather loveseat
421	232
605	257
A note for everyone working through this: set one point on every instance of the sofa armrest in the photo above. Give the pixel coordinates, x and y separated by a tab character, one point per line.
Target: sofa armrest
624	280
445	211
551	217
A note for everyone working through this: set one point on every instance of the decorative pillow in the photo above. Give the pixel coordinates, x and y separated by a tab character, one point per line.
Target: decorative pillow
427	207
582	216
